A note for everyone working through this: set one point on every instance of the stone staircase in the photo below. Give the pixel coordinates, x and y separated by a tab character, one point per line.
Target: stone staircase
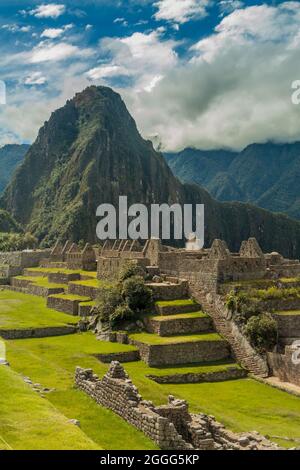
242	350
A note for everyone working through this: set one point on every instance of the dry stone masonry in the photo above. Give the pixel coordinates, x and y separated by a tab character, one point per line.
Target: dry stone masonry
170	426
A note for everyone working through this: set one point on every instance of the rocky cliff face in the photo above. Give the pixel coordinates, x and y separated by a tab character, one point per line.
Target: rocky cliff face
90	152
10	157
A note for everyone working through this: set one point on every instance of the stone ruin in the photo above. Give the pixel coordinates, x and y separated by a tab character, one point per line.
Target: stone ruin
70	256
170	426
206	267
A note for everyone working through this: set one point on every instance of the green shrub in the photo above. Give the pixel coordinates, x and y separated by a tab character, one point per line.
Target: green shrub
107	302
121	313
261	331
136	294
17	241
130	269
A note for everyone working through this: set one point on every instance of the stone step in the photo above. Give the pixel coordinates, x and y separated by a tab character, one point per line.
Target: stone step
218	371
176	307
162	351
184	323
66	303
169	291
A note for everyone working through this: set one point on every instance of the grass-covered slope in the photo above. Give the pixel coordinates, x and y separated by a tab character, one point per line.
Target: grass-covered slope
29	422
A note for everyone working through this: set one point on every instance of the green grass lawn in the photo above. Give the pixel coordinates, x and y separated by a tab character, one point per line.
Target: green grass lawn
52	363
93	283
63	271
175	303
242	405
288	312
22	311
29	422
80	298
180	316
151	338
42	282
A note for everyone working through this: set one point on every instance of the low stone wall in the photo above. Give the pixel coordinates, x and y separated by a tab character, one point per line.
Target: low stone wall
170	426
126	356
83	291
182	353
38	332
63	305
288	325
178	326
286	366
84	310
30	288
192	378
63	278
169	291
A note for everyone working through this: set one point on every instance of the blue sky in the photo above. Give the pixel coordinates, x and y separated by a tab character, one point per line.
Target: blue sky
201	73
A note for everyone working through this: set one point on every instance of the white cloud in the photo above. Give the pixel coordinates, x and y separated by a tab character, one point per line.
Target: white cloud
235	90
35	78
140	56
106	71
50	10
47	51
15	28
52	33
181	11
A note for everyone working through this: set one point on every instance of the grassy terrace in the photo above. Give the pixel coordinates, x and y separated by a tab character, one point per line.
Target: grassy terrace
46	271
149	338
22	311
179	316
93	283
242	405
288	312
200	368
30	422
74	297
42	282
175	303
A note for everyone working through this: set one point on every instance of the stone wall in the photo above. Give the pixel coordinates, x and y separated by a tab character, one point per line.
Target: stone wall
16	261
194	377
37	332
170	426
286	366
182	353
288	325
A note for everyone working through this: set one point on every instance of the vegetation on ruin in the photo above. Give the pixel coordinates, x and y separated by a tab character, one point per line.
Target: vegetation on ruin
259	327
23	311
17	241
261	330
127	300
